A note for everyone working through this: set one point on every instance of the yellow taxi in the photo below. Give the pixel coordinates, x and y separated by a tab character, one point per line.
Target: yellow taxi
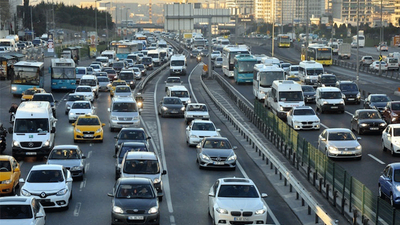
88	128
10	173
294	78
27	95
114	84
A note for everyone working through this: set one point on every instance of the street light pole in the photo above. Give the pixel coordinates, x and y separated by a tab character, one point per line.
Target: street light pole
106	19
358	28
126	18
380	42
95	19
33	34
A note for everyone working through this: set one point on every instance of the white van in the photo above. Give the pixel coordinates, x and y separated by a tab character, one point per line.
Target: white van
177	65
392	63
111	55
9	44
181	92
284	95
329	99
270	61
155	55
309	71
34	129
91	80
123	113
80	71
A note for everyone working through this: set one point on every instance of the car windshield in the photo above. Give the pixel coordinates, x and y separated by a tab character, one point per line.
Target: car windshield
118	65
126	76
110	71
341	136
382	98
75	97
89	82
294	68
135	191
307	89
83	89
179	94
238	191
45	176
331	95
201	108
141	166
328	79
173	80
349	87
123	89
64	153
132	135
103	79
146	60
124	107
290	96
31	91
5	166
217	144
17	212
172	101
369	115
396	106
203	126
303	112
88	122
177	63
118	83
31	126
41	97
134	148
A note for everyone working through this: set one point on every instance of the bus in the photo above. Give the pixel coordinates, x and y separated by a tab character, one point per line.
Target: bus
243	68
27	75
263	77
63	75
317	52
284	41
124	49
228	55
113	45
361	40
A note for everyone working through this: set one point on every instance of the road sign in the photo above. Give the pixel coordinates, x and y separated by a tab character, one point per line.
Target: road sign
380	58
50	44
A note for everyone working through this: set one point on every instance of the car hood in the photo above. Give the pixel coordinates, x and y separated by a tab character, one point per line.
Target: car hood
69	163
173	106
371	121
84	93
306	118
135	203
125	114
333	101
378	104
247	204
204	133
50	187
344	144
200	113
349	92
218	152
85	111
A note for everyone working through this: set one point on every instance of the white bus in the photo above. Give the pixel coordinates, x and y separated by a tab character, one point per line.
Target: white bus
263	77
228	55
361	40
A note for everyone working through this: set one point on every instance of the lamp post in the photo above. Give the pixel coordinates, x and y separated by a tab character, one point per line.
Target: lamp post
33	34
106	3
381	42
126	18
95	17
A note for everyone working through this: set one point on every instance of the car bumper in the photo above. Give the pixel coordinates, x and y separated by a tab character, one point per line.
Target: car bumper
122	124
328	107
54	201
306	126
6	188
180	113
217	164
126	219
228	219
95	137
345	154
372	129
18	151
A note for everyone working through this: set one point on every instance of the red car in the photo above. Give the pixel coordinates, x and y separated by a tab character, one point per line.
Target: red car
392	112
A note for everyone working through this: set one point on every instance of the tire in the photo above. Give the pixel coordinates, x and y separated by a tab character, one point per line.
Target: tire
66	113
75	141
160	198
380	194
111	129
392	150
359	131
383	146
70	197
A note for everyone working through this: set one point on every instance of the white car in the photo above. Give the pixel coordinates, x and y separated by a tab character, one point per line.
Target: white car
96	67
339	143
137	72
196	111
79	108
391	138
71	99
236	199
50	184
21	210
104	83
375	66
123	91
199	129
303	118
215	54
86	91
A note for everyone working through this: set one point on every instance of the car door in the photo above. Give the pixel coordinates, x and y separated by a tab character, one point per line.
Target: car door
321	142
211	198
385	140
67	175
189	130
386	185
354	121
16	170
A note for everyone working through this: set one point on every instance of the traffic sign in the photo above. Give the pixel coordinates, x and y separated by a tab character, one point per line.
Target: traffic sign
380	58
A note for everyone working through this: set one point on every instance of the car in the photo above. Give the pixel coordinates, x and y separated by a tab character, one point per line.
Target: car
147	62
129	62
215	54
46	97
303	118
138	72
131	135
104	83
309	93
171	106
123	149
134	201
96	67
391	112
339	143
50	184
375	66
389	182
71	99
367	120
146	165
294	78
196	111
216	152
235	199
80	108
114	84
28	93
354	44
194	53
326	80
172	81
391	139
286	67
100	74
123	91
21	210
86	91
10	172
350	91
382	48
199	129
112	74
376	101
204	52
218	62
142	69
366	60
88	128
128	75
69	156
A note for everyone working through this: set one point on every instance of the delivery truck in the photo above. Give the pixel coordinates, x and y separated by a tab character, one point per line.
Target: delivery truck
344	51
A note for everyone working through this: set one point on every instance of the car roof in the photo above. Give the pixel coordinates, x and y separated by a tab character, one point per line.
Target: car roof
202	121
134	180
302	107
47	167
141	155
18	200
86	86
131	128
178	88
337	130
345	82
82	101
394	125
378	95
123	99
133	143
236	181
5	157
197	104
326	89
66	146
216	138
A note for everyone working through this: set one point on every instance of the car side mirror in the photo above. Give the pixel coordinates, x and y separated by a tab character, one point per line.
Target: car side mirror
69	179
56	101
234	147
73	124
187	128
21	180
10	130
53	130
218	130
263	195
17	169
323	139
148	138
83	157
65	99
39	215
114	156
164	172
211	194
103	124
358	138
110	195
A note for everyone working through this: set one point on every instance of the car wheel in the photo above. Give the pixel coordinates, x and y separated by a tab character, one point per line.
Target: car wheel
75	141
70	197
359	131
13	190
66	113
392	150
213	220
160	198
380	193
383	146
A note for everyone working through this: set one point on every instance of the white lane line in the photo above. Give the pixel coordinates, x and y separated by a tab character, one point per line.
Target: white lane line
89	154
376	159
77	209
190	84
87	167
324	126
349	113
83	184
172	220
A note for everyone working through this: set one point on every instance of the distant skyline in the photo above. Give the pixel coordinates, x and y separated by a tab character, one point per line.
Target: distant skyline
77	2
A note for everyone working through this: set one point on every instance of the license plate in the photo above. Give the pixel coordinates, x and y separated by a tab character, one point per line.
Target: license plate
346	153
218	163
136	217
374	128
309	98
31	153
88	135
351	99
174	111
334	107
241	219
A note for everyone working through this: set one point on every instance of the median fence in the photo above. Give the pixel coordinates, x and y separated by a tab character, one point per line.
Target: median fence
344	192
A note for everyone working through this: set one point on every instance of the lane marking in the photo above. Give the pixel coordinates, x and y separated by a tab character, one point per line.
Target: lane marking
77	209
190	83
376	159
348	113
83	184
87	167
89	154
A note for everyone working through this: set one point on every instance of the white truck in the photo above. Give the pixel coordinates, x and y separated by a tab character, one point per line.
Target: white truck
344	51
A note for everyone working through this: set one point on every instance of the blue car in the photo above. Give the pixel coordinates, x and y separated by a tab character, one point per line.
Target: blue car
389	183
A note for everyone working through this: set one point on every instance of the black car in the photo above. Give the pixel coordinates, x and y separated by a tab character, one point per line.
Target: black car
376	101
118	66
46	97
148	62
216	152
350	91
127	147
326	80
134	202
308	93
131	135
367	120
171	106
194	53
129	77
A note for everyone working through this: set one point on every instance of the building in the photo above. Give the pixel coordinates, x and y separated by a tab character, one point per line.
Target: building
246	7
345	11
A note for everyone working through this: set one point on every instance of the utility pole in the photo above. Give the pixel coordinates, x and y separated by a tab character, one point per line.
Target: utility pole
106	21
380	42
358	28
307	31
273	28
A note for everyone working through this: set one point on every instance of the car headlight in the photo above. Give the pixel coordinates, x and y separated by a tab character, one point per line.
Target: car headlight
62	192
358	95
232	158
46	143
341	102
398	187
332	148
193	136
76	168
205	157
259	212
6	181
156	181
363	124
25	192
189	101
221	210
77	130
136	118
394	114
324	103
14	88
113	118
131	82
140	104
99	130
117	209
358	147
189	116
71	114
183	108
15	143
382	124
164	108
153	210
